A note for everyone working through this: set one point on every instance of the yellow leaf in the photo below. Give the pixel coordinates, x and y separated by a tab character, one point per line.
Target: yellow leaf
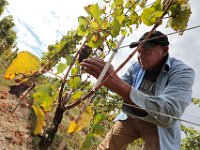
25	63
83	122
40	120
72	127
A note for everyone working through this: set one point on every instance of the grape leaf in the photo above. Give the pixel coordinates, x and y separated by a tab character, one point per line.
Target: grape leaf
82	20
115	28
74	71
69	59
179	18
119	2
120	18
25	63
87	144
44	96
83	122
95	11
98	118
73	127
61	67
40	120
95	41
143	3
74	82
76	95
150	15
83	25
182	1
98	129
94	25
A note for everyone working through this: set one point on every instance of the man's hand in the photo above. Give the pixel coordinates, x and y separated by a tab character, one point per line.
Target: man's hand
94	67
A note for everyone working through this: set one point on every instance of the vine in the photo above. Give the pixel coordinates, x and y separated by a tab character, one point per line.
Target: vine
95	33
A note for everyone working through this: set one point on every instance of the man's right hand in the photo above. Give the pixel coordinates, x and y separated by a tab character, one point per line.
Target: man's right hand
94	67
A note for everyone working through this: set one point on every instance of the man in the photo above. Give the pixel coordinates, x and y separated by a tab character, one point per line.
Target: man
155	85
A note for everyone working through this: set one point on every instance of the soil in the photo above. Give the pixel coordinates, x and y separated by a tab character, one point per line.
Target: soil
15	127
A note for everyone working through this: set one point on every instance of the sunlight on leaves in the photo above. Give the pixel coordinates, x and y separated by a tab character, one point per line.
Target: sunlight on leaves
149	16
25	63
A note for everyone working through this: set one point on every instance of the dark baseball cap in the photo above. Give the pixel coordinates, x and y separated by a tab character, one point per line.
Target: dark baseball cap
156	38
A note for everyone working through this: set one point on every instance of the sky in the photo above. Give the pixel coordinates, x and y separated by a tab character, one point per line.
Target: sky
40	23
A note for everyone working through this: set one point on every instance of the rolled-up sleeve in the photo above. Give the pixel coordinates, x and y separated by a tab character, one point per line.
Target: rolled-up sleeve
172	100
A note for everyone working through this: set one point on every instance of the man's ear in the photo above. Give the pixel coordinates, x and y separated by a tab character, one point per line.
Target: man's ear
165	50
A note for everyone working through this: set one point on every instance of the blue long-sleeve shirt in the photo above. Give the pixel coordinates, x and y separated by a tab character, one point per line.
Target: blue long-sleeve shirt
172	96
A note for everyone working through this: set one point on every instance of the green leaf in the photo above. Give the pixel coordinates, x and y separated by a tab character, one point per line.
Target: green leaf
192	139
95	11
83	25
157	5
87	144
61	67
119	2
132	19
74	71
77	95
74	82
149	16
112	44
196	101
183	1
3	3
179	18
123	32
82	31
120	18
83	21
98	118
94	25
115	28
95	41
98	129
44	96
69	59
143	3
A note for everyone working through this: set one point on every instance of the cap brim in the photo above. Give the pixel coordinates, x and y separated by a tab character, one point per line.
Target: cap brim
146	44
134	44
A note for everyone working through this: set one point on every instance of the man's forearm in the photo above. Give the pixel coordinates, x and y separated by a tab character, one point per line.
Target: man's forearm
123	89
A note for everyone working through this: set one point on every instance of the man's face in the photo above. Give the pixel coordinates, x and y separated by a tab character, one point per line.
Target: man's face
151	56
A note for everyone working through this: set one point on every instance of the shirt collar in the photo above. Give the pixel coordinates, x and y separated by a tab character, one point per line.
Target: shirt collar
167	64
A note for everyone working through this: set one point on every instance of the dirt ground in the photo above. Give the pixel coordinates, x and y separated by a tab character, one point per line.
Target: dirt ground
14	127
